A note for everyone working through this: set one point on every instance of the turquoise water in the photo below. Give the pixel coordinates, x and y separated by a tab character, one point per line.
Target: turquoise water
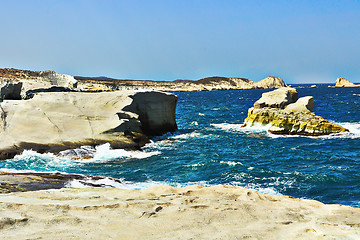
211	148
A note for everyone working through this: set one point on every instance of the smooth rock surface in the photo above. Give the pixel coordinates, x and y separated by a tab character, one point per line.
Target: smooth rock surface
304	104
278	98
52	122
271	82
164	212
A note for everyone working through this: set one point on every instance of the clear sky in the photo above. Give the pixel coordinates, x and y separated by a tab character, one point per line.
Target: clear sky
300	41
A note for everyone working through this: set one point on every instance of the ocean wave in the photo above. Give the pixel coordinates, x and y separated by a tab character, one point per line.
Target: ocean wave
257	188
230	163
195	166
32	160
104	153
170	140
187	135
354	128
257	128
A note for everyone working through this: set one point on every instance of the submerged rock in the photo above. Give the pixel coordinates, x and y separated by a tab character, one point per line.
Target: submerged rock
288	115
52	122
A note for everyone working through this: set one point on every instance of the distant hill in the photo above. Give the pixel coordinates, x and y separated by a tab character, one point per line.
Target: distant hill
182	80
217	79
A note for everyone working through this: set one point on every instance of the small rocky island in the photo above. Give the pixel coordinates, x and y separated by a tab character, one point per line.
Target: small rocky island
288	114
343	82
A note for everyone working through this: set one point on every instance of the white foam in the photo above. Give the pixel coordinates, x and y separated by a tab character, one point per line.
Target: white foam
187	135
34	159
257	188
354	128
195	123
101	153
105	153
239	127
231	163
196	165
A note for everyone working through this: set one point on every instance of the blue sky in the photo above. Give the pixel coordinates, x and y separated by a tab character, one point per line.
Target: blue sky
300	41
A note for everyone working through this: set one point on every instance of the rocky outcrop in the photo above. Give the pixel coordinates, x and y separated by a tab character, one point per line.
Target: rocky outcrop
271	82
156	111
10	90
36	81
22	182
288	115
343	82
52	122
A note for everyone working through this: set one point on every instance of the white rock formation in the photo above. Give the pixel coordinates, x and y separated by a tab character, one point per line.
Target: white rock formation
304	104
271	82
278	98
51	122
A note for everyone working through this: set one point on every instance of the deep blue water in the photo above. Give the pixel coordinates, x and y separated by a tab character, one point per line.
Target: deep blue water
211	148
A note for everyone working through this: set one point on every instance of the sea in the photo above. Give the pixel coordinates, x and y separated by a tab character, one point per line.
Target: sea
212	148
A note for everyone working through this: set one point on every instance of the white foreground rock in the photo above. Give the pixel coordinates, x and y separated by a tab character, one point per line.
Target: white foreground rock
51	122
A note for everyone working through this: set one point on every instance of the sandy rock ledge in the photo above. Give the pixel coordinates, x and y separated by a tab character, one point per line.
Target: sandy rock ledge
164	212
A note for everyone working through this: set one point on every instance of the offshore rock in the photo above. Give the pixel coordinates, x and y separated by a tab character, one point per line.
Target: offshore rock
52	122
271	82
288	115
343	82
